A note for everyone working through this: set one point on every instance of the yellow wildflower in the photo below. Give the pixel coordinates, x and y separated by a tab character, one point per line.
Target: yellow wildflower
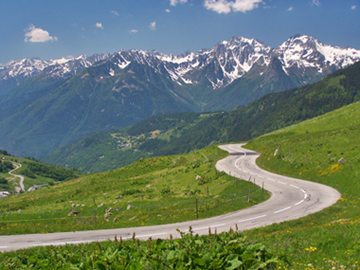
310	249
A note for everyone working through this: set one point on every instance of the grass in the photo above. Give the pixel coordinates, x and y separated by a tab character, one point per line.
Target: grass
224	251
140	194
325	149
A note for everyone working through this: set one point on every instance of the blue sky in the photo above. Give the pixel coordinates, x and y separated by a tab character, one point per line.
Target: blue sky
50	29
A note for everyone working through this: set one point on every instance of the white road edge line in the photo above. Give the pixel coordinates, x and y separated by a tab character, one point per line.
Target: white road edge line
207	227
282	210
298	203
253	218
60	243
150	235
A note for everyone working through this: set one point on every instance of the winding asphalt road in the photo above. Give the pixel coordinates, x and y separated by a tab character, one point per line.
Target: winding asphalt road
21	178
290	199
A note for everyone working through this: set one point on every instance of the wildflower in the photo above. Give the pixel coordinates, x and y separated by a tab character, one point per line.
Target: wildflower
310	249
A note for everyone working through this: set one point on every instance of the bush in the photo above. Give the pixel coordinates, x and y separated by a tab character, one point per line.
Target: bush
224	251
130	192
28	173
165	191
4	184
5	153
5	166
49	171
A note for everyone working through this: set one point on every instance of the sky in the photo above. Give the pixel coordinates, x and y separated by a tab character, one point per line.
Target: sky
52	29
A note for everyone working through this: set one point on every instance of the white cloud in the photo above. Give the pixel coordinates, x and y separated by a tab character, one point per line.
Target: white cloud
153	26
99	25
227	6
37	35
219	6
175	2
167	10
134	31
291	8
316	3
115	13
353	7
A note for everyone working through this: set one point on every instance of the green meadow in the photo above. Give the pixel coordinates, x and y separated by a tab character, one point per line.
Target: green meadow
325	149
148	192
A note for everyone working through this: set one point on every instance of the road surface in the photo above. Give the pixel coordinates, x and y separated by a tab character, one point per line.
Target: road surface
21	178
290	199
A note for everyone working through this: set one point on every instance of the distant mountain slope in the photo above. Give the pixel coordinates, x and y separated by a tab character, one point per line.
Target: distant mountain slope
170	134
47	104
60	112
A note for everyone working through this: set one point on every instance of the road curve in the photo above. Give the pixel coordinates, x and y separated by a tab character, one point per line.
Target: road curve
21	186
290	199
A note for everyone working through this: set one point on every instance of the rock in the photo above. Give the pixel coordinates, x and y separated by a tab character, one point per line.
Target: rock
116	219
73	213
100	205
198	177
341	161
128	207
107	215
276	152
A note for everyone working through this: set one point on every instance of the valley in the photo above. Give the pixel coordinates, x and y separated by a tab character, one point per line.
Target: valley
180	133
47	104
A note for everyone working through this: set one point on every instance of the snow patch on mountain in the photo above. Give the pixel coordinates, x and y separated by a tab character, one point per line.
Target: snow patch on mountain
338	56
303	52
217	67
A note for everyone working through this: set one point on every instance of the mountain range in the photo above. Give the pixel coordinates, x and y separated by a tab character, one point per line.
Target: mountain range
46	104
183	132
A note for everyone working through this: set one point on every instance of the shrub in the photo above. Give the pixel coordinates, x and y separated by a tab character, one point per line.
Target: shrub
224	251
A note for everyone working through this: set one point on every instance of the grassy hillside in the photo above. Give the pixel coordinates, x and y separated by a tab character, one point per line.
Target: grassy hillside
35	172
139	194
184	132
326	150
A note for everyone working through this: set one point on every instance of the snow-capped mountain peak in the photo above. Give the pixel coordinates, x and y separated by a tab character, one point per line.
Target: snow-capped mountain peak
24	68
229	60
64	66
302	51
